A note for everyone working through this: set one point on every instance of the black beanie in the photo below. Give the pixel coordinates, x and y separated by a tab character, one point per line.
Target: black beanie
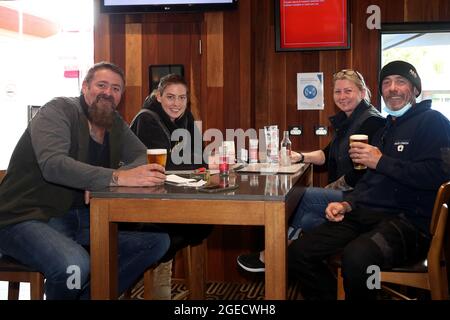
403	69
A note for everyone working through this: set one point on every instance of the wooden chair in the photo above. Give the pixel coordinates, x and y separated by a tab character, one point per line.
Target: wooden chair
15	272
429	274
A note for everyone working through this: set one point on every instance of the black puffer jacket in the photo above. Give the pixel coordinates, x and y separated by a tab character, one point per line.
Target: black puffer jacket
155	129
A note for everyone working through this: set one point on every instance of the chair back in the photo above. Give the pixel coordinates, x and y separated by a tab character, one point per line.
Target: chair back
437	242
443	196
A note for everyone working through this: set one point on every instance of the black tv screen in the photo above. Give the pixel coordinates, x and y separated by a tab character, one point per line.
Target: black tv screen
142	6
156	72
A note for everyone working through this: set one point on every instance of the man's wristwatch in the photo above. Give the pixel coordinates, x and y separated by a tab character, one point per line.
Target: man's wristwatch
302	157
115	179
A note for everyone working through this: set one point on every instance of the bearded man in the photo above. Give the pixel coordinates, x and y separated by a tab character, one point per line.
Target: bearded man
74	145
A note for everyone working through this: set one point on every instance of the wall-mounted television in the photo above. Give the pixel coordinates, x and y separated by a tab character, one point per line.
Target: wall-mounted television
156	72
142	6
311	25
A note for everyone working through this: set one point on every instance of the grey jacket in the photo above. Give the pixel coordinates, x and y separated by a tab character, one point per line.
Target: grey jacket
50	162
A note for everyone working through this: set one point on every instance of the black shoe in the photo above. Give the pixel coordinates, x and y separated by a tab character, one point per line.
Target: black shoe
251	262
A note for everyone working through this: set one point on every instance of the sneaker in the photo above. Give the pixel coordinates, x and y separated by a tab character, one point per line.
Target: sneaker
251	262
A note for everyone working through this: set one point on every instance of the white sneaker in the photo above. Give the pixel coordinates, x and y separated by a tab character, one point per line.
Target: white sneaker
162	281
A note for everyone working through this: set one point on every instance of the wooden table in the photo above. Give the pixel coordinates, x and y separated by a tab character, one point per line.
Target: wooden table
260	200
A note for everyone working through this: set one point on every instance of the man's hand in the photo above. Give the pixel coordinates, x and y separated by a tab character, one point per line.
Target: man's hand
146	175
335	211
365	154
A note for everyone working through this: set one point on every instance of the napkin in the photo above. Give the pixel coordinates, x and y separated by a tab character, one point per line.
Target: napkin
180	181
174	179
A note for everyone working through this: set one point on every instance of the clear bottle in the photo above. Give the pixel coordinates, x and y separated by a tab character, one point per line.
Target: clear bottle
286	149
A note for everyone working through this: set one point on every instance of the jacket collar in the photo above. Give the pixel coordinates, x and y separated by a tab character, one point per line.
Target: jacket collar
155	106
340	119
416	109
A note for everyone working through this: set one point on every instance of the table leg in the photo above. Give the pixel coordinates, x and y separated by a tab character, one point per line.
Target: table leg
275	251
103	251
196	274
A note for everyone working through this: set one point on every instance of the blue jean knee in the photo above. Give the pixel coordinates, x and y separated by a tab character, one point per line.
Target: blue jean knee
310	211
64	263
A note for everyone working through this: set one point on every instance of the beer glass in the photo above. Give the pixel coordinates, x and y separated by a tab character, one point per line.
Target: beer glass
158	156
359	138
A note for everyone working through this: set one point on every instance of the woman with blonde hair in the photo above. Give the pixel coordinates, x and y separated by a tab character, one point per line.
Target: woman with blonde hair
356	116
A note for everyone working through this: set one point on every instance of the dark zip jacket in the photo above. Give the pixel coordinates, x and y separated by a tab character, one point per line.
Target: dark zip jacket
415	147
365	119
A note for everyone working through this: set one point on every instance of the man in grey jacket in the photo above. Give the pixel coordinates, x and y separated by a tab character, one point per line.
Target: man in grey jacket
72	146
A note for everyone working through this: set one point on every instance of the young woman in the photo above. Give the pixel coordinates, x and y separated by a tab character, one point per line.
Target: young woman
164	112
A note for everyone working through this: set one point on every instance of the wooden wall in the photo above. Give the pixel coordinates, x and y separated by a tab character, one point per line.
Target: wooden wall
239	81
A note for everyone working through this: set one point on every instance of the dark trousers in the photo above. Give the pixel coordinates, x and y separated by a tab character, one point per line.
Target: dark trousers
180	235
183	235
364	238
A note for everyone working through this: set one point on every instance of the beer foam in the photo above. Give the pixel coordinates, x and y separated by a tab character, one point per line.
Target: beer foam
156	151
359	137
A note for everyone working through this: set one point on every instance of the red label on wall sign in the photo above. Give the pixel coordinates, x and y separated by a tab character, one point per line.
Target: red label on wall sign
71	73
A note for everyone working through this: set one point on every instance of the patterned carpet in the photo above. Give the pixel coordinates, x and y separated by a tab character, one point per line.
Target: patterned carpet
221	291
255	291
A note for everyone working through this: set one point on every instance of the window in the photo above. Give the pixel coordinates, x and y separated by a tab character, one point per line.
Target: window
46	48
427	47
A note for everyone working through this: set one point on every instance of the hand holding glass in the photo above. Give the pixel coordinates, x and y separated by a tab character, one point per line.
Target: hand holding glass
158	156
359	138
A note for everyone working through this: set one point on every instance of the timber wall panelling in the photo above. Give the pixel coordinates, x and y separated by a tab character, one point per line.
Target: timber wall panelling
239	81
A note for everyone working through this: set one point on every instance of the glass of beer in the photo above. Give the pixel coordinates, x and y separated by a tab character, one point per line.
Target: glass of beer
359	138
158	156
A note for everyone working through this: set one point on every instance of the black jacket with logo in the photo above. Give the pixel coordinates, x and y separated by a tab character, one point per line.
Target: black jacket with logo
413	166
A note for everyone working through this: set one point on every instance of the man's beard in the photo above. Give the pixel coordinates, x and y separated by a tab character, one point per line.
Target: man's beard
101	112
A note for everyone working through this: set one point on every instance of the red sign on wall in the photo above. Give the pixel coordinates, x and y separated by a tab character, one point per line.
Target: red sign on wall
311	25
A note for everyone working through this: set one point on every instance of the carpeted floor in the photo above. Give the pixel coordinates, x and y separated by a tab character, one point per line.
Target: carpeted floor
255	291
221	291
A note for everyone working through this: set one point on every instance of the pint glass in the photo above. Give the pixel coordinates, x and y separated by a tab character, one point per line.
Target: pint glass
359	138
158	156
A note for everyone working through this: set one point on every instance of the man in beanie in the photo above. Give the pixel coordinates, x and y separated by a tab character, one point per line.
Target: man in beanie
384	222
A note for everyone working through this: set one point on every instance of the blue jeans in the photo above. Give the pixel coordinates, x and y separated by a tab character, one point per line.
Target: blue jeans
311	210
57	248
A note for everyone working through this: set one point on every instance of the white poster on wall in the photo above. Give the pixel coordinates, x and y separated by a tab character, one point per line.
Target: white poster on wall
310	91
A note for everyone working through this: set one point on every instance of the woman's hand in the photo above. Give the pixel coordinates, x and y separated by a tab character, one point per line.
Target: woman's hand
213	162
295	157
